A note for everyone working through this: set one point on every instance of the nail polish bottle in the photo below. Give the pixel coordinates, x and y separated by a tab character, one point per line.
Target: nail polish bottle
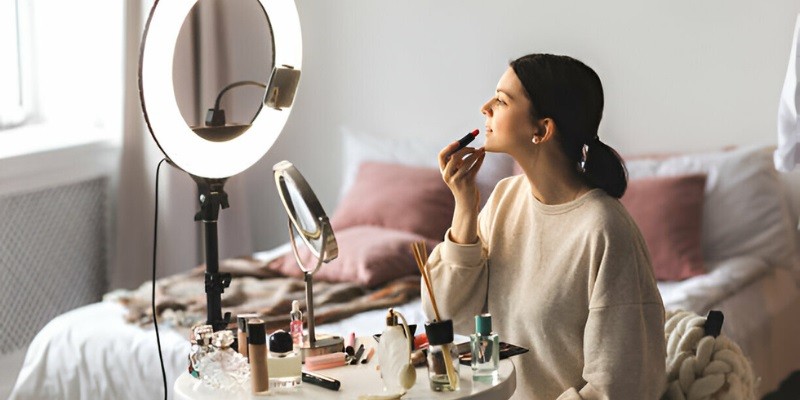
296	324
485	348
284	362
257	340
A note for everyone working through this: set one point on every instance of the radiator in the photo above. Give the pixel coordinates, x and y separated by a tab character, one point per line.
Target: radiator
53	256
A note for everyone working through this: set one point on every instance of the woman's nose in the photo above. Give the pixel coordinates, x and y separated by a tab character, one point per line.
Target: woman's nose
486	108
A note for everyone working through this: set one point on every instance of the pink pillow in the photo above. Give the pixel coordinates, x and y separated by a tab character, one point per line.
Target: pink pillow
669	213
368	255
406	198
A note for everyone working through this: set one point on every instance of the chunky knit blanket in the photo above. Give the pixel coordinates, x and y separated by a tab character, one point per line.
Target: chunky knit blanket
703	367
181	299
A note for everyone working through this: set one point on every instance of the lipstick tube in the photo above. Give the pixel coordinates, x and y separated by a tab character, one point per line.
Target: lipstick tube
325	361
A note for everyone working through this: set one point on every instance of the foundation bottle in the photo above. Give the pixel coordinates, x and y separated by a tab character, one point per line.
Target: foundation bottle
241	337
257	349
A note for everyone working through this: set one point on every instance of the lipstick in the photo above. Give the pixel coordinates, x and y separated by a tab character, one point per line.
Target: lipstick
464	141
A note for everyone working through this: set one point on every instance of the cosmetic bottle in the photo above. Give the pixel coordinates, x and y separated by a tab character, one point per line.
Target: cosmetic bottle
283	362
201	347
241	323
296	324
485	348
393	354
442	356
257	349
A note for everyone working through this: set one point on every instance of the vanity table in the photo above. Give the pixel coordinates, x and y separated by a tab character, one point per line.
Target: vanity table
364	379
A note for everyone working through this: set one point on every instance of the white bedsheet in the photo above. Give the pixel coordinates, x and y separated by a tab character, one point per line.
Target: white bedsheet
700	292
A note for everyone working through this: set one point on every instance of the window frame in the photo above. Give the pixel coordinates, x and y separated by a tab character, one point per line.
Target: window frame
15	113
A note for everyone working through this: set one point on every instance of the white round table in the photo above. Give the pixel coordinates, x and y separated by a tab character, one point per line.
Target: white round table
364	379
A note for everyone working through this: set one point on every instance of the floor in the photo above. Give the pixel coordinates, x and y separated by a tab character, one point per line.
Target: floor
12	363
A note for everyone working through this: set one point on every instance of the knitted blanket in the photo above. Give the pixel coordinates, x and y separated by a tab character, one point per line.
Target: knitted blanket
181	299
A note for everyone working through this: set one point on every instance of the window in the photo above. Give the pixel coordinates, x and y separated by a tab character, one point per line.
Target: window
65	67
12	104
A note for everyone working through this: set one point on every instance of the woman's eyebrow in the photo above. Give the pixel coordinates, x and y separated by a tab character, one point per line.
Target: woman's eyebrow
503	92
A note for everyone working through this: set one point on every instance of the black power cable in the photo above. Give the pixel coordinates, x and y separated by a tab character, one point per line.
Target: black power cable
155	319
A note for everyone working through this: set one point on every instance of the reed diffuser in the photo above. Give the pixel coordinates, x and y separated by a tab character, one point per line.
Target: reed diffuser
421	257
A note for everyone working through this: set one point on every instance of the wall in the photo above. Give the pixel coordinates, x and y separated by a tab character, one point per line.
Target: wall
678	75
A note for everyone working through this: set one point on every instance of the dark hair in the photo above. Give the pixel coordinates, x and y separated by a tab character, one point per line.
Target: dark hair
569	92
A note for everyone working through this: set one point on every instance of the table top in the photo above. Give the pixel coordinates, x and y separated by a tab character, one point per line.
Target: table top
364	379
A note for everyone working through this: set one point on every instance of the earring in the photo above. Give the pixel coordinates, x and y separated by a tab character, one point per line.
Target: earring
535	139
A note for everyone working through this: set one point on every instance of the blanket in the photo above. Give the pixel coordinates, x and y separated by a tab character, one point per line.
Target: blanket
181	299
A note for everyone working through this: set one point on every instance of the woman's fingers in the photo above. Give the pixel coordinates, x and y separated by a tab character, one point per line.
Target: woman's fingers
468	166
445	153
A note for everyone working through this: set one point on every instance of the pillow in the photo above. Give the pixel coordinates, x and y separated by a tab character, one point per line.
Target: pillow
416	151
368	255
745	212
411	199
669	214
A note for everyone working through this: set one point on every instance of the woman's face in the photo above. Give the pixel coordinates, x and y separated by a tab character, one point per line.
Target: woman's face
508	120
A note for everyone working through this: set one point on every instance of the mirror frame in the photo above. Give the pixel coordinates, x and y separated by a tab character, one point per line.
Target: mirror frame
182	146
329	249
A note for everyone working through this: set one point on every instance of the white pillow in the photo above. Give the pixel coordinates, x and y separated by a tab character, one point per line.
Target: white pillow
746	211
359	147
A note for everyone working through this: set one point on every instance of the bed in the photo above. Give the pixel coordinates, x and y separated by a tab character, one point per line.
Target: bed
721	227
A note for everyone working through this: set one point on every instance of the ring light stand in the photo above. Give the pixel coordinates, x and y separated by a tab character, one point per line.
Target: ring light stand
213	153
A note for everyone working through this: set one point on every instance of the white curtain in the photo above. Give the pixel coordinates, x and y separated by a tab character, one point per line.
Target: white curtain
180	238
787	155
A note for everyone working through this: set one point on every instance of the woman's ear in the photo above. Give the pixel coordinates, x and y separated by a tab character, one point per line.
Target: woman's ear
546	129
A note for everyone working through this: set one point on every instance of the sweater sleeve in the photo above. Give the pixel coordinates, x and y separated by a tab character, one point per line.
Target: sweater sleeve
458	275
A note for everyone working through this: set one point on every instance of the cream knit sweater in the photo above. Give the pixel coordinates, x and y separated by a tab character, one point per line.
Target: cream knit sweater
571	282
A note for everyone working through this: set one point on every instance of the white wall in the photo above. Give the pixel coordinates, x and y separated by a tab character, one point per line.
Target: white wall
678	75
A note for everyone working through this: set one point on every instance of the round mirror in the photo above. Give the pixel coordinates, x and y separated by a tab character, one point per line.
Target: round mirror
307	219
217	80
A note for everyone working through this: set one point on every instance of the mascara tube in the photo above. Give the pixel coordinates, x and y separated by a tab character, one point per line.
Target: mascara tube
321	380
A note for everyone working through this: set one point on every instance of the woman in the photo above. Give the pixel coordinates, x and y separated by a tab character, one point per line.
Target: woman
553	255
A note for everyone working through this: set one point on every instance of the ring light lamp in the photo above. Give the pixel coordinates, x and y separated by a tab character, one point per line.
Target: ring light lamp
212	153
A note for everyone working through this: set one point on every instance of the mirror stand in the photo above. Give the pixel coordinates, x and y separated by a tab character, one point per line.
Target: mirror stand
312	345
212	198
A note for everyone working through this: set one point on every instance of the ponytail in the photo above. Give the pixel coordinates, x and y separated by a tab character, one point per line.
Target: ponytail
604	168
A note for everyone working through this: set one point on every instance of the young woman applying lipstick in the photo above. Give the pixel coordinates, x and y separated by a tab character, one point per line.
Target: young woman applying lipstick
553	255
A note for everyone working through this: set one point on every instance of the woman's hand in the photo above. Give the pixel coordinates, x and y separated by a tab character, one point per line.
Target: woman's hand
458	171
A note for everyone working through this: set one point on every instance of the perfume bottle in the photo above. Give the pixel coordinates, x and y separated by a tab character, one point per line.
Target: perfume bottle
485	348
393	354
283	362
296	324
